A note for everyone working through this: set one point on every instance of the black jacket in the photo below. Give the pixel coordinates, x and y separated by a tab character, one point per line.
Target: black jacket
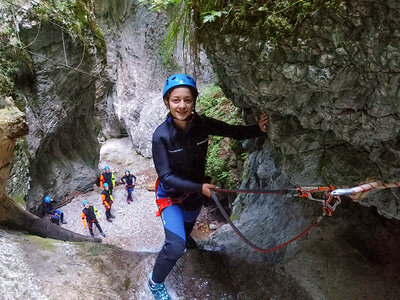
180	155
128	179
89	213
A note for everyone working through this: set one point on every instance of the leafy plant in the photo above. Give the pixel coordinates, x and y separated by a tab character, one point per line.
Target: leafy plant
211	16
7	69
180	13
225	156
272	20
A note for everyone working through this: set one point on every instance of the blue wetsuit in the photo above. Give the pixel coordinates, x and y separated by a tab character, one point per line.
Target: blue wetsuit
180	160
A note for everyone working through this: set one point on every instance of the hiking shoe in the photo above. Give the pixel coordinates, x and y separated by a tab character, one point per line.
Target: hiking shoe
109	220
128	201
112	216
191	243
92	235
102	234
158	290
63	222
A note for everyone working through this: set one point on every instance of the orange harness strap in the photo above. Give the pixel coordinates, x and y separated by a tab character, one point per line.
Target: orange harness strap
163	202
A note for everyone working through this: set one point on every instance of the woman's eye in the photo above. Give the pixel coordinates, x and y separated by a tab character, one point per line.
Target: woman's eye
189	101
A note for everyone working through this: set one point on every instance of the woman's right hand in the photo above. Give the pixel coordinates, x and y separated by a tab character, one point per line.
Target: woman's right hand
206	187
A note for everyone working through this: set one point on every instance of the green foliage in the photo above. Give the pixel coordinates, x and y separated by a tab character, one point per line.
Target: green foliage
7	70
127	283
272	20
44	243
211	16
180	13
224	155
19	198
75	16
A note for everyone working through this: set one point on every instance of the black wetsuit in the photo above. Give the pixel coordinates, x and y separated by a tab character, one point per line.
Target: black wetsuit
130	184
180	159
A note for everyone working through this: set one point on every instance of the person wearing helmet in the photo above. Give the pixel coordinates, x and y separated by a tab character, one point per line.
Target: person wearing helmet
108	177
179	148
130	181
107	201
56	216
89	213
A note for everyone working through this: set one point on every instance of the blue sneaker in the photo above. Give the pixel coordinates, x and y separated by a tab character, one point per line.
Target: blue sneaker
158	290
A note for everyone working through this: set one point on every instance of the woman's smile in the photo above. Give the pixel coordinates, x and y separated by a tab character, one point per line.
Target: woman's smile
181	105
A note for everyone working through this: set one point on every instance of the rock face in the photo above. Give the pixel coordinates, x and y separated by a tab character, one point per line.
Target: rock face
133	35
331	91
60	112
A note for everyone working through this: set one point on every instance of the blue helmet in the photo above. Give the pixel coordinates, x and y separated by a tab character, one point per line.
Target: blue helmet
105	184
47	199
127	171
85	202
179	80
106	168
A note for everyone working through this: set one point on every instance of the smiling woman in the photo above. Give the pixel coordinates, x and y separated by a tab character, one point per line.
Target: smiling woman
179	152
180	105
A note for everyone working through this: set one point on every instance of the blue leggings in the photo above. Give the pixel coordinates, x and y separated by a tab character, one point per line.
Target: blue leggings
130	190
178	224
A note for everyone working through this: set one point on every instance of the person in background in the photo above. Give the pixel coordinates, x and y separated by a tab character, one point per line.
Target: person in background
179	148
107	201
56	215
109	178
130	181
89	213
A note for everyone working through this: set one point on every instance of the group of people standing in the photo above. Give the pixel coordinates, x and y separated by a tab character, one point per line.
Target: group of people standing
90	213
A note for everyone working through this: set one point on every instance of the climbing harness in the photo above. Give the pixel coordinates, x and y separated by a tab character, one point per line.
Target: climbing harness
329	197
165	202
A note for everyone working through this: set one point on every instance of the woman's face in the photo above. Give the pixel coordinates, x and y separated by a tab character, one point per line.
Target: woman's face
181	103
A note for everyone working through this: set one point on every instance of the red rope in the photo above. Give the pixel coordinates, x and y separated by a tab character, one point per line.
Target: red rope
250	191
244	239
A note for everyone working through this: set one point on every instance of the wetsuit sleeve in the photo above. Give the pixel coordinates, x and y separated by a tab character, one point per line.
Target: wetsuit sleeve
134	177
96	211
164	171
102	180
83	219
49	209
122	179
103	197
237	132
113	179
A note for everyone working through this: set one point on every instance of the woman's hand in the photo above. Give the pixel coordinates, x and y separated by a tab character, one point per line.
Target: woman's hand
263	122
206	187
